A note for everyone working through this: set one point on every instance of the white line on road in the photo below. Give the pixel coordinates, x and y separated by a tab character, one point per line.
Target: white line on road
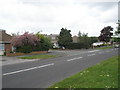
91	54
74	59
94	51
28	69
107	51
101	52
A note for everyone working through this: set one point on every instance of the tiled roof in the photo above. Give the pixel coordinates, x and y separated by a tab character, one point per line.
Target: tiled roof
4	37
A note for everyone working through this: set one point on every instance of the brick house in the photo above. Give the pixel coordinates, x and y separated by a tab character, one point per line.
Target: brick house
5	42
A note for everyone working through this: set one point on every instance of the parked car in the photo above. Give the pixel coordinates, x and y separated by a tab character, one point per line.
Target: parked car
116	45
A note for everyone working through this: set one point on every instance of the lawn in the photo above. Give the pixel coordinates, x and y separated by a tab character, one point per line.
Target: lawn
102	75
107	47
42	56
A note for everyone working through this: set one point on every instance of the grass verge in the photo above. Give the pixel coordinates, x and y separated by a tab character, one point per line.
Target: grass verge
102	75
107	47
42	56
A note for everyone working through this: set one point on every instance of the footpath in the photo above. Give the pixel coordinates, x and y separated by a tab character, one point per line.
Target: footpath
4	60
13	60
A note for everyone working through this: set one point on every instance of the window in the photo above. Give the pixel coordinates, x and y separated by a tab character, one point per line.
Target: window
2	47
53	38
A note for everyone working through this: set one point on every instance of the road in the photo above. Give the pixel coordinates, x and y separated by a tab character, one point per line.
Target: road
43	73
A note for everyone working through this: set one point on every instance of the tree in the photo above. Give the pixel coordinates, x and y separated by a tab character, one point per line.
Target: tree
44	44
64	38
84	40
24	43
106	34
79	34
117	33
94	39
118	28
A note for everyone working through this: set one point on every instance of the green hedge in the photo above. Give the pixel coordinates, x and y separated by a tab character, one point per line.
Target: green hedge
77	46
24	49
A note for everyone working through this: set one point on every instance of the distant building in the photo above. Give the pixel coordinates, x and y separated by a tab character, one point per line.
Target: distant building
5	44
54	40
75	39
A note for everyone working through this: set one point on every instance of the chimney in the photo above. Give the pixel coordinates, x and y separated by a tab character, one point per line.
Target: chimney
3	31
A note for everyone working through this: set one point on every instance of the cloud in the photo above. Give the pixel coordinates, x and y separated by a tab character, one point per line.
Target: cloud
102	5
51	15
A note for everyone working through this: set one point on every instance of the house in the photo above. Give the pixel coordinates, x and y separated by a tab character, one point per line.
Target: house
75	39
54	40
5	42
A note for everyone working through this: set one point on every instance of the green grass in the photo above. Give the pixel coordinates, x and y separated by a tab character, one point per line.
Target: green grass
107	47
102	75
42	56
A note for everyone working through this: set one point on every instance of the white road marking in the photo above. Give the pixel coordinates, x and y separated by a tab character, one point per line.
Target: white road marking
91	54
94	51
107	51
75	54
74	59
28	69
101	52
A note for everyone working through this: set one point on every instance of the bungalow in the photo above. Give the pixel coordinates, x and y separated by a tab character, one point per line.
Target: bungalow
5	42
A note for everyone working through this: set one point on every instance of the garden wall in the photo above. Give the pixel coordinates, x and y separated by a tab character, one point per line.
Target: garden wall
20	54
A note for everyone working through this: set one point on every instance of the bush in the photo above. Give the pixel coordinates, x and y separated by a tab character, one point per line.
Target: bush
78	46
74	46
5	53
27	43
44	44
24	49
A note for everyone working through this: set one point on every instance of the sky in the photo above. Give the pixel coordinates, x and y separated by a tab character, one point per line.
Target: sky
49	16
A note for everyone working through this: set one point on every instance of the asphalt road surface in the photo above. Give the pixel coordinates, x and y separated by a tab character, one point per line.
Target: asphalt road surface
43	73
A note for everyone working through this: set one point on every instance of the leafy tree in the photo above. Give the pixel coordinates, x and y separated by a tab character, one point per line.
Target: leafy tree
79	34
84	40
64	38
118	28
25	39
106	34
94	39
44	43
117	39
25	42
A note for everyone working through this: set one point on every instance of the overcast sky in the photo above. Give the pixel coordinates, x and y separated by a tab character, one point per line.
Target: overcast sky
49	16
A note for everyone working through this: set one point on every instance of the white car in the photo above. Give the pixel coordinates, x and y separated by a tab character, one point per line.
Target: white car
116	45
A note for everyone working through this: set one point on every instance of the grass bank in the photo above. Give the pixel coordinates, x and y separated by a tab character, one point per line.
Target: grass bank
42	56
102	75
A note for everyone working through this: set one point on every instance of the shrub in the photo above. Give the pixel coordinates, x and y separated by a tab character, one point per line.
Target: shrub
44	44
24	49
5	53
25	42
74	46
25	39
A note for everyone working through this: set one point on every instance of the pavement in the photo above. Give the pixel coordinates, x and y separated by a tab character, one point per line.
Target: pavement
44	73
14	60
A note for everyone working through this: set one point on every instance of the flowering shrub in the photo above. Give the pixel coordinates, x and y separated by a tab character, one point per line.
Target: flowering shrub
25	39
27	42
24	43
